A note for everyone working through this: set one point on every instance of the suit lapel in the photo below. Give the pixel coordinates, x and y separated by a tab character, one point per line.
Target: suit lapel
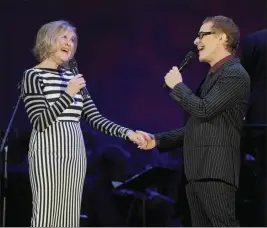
200	87
212	78
203	87
211	81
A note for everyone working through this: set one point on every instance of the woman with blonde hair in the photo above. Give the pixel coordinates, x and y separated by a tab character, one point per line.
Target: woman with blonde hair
54	104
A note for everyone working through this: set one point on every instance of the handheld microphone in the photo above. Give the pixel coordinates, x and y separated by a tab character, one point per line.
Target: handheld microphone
187	59
74	70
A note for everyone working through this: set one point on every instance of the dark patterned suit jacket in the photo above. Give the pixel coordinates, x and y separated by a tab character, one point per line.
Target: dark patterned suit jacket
211	137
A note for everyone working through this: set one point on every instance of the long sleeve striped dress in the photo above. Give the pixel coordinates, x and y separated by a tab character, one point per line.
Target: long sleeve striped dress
57	156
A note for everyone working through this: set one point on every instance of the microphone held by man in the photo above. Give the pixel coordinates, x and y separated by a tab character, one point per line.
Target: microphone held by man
188	58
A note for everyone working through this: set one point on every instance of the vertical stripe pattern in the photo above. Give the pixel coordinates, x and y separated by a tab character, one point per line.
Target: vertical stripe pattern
57	172
211	140
57	156
211	137
212	203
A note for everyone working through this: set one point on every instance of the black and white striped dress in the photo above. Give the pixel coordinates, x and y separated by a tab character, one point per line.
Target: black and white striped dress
57	157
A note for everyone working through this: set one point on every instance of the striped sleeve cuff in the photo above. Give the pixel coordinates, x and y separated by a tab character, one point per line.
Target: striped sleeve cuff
68	98
64	101
125	131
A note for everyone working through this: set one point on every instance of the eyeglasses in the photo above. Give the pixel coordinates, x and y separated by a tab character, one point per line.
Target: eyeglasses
200	35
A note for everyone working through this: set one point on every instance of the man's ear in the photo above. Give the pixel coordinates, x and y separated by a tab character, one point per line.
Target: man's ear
223	37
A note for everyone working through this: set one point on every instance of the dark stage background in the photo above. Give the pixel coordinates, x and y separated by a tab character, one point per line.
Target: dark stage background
125	48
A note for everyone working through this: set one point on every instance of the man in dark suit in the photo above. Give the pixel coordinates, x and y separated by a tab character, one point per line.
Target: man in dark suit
253	59
212	134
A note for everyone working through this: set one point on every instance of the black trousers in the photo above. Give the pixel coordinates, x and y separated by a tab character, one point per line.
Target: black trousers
211	203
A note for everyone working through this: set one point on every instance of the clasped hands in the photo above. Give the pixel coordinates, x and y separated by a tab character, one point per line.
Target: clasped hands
144	140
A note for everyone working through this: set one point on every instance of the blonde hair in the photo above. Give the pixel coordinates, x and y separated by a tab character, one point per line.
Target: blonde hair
46	38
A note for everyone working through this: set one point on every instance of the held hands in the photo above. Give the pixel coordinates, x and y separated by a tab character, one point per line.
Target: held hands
150	141
173	78
136	138
75	85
